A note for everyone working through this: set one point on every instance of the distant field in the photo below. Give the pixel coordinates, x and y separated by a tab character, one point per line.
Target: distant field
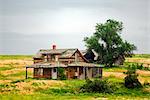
141	56
15	57
143	59
5	57
14	86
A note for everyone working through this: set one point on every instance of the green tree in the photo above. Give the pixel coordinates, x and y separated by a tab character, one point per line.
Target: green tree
107	42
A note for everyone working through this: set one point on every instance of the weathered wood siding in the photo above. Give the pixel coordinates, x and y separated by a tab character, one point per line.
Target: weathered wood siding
37	60
38	73
47	73
77	57
71	72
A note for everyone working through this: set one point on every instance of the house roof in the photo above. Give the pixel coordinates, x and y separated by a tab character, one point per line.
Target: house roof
62	52
83	52
68	53
85	64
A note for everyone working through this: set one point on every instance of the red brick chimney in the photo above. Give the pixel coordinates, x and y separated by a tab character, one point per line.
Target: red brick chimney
54	47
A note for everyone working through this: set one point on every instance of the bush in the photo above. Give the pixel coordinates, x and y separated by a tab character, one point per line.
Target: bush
61	74
131	80
97	86
140	66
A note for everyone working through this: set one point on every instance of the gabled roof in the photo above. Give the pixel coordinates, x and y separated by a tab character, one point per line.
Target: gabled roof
85	64
62	52
68	53
52	51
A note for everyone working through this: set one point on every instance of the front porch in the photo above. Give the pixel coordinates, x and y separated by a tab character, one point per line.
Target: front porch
83	72
72	71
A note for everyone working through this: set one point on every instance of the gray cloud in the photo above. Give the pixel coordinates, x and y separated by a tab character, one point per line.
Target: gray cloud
16	43
27	25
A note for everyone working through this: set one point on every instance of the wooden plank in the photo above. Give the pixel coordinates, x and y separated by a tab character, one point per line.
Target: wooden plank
26	72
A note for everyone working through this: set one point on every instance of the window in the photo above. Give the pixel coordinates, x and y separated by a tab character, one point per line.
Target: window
40	71
55	70
53	57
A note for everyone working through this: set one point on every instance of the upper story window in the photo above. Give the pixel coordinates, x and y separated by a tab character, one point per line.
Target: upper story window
53	57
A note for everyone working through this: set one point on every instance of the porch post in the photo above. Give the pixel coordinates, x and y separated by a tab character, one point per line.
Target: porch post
101	72
78	72
85	72
26	72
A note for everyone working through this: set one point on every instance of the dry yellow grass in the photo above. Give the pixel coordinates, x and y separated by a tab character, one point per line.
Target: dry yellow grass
144	61
29	88
16	62
143	73
146	89
143	79
50	82
121	75
115	74
12	71
5	81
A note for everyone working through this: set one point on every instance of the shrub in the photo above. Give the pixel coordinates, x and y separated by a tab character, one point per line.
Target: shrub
140	66
131	80
61	74
97	86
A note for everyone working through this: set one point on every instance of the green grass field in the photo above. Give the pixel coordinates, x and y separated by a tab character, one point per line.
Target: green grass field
141	56
14	86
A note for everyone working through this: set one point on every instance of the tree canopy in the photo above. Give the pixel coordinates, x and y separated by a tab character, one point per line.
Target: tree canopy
107	42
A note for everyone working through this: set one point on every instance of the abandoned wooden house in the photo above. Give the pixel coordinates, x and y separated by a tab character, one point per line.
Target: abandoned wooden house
75	65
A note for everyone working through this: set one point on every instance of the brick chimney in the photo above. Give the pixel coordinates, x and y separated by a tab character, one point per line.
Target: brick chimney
54	47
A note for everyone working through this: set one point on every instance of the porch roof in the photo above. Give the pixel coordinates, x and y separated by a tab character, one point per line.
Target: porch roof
81	64
46	65
58	64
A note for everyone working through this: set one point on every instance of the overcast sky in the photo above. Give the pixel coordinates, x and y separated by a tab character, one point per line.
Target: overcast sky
29	25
